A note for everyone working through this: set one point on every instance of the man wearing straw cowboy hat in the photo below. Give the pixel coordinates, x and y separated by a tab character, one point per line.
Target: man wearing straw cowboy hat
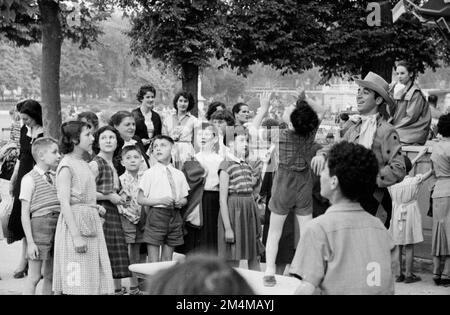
375	133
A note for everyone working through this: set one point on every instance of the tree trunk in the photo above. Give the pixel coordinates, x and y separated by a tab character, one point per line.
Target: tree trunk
51	58
190	83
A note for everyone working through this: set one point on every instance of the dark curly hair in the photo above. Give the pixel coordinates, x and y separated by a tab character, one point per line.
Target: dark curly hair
120	142
70	135
225	115
304	119
187	96
117	118
144	90
32	108
212	109
200	275
91	117
237	108
444	125
355	167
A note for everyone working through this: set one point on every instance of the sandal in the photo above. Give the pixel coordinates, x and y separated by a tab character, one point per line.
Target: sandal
437	278
412	278
269	281
445	280
400	278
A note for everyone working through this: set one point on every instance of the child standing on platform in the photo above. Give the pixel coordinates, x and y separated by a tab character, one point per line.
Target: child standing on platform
406	222
163	189
106	146
131	211
293	182
239	227
81	264
40	212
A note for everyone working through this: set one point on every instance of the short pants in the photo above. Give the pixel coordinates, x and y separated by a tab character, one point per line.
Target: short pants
43	229
291	191
163	227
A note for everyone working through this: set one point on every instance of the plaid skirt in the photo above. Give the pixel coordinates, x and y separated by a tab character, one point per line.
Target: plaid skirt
115	241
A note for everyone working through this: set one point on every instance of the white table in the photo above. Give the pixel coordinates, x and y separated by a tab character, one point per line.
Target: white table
285	285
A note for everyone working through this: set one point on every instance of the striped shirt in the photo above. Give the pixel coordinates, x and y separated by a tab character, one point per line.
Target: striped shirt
241	176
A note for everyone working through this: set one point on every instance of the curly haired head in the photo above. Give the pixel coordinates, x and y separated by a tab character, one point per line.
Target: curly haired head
444	125
212	108
187	96
98	133
70	135
304	119
144	90
200	275
355	167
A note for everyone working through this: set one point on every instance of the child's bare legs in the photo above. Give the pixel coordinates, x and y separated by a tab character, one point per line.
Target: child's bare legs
133	252
302	220
48	277
118	285
153	253
436	265
23	258
273	238
167	253
409	257
400	259
34	276
254	264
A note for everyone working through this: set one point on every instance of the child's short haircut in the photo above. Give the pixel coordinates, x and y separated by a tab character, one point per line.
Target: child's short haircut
163	137
40	145
355	167
304	119
129	148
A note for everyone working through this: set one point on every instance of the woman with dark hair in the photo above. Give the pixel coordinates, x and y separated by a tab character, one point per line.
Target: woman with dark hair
200	275
31	114
148	122
180	127
125	124
241	114
81	262
107	145
90	118
411	115
213	108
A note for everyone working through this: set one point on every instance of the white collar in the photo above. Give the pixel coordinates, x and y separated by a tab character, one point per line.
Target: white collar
40	171
35	133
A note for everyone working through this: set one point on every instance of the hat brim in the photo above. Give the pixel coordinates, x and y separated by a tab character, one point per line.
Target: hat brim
374	87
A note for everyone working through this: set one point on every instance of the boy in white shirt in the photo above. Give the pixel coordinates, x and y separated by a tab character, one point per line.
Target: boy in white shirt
40	212
163	189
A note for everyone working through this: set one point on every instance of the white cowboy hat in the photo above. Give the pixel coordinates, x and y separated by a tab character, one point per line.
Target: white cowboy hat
376	83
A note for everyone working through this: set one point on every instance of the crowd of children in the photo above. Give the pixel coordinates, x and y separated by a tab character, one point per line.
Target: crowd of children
116	199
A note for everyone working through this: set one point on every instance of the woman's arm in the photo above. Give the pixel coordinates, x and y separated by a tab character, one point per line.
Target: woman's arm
264	101
224	180
64	180
13	179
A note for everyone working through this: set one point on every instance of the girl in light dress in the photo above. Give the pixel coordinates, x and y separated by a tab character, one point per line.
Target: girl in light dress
406	221
81	261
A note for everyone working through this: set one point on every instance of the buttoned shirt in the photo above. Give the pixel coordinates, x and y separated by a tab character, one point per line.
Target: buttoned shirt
180	129
346	251
155	183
